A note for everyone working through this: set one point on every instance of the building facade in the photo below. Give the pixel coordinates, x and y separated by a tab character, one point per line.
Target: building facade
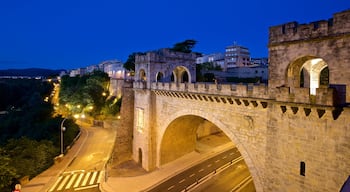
236	56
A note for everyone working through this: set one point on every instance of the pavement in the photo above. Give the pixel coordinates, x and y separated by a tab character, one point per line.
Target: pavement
133	178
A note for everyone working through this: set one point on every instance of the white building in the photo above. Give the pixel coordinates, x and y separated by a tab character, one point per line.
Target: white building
113	68
215	58
236	56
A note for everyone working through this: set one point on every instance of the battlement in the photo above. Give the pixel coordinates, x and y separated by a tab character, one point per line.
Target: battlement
323	97
239	90
293	31
163	56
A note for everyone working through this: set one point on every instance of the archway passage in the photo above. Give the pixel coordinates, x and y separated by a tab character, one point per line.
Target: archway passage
181	75
160	77
184	134
142	75
196	137
310	72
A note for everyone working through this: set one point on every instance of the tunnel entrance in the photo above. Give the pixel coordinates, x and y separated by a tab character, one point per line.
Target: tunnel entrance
187	134
190	135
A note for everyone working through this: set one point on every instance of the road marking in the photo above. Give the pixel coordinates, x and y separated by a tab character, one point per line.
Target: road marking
78	181
99	177
71	181
63	182
217	160
86	179
224	157
169	188
87	187
57	182
209	165
201	170
183	180
192	175
92	180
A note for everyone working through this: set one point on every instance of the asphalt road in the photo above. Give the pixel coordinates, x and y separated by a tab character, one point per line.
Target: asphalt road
227	180
84	173
194	174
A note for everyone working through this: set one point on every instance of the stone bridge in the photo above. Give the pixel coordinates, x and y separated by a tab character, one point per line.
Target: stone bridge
294	133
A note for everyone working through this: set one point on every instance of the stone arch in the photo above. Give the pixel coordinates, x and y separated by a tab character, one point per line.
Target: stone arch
181	74
159	77
306	72
142	75
185	114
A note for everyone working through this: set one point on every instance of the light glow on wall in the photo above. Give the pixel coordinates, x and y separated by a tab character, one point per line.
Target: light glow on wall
139	120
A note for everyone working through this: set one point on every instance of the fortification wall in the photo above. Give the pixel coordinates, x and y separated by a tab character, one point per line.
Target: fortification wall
291	44
293	31
323	97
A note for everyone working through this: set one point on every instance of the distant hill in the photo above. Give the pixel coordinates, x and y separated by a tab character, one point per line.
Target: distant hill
30	72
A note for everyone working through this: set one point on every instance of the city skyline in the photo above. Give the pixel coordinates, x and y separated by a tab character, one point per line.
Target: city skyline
69	35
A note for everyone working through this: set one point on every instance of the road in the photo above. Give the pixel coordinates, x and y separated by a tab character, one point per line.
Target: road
196	173
85	171
227	180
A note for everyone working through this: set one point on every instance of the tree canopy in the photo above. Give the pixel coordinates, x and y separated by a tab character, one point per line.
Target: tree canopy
29	133
88	94
130	63
184	46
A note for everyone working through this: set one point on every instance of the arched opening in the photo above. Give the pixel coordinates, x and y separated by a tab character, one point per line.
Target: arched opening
140	156
172	78
310	72
194	136
159	77
181	74
185	77
142	75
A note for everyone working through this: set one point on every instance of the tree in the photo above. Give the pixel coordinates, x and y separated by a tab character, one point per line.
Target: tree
7	171
185	46
130	63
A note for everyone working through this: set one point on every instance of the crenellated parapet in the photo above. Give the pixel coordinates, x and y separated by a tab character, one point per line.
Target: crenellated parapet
334	27
237	90
324	96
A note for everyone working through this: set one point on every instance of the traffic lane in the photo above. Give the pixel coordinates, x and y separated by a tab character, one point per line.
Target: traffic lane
195	173
95	151
227	179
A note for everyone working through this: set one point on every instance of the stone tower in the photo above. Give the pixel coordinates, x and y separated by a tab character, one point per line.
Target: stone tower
160	66
312	58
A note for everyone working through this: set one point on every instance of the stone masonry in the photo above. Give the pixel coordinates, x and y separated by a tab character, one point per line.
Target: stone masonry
293	134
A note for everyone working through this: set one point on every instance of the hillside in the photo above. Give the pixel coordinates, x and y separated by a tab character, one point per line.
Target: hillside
30	72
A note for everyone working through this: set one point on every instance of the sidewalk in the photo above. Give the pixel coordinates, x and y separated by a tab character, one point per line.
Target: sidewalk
46	179
146	181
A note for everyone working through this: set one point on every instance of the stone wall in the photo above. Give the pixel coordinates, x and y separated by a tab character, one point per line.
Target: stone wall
292	44
124	134
321	143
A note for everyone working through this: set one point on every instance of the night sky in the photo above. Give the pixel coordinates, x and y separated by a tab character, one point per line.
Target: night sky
68	34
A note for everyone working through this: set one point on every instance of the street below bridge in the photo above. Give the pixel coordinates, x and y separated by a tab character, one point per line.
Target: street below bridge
82	168
226	171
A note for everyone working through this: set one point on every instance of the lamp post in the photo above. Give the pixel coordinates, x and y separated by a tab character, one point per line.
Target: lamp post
62	129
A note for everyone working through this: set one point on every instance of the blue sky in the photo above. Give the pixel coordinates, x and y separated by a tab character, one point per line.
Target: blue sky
68	34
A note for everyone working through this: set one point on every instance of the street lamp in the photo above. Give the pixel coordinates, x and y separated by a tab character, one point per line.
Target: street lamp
62	129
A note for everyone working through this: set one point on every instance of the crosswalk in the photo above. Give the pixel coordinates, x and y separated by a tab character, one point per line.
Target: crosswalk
77	180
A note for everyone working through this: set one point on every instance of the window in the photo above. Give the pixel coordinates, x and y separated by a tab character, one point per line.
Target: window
302	168
139	119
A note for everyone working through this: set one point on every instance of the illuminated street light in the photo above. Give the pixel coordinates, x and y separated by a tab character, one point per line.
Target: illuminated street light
62	129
